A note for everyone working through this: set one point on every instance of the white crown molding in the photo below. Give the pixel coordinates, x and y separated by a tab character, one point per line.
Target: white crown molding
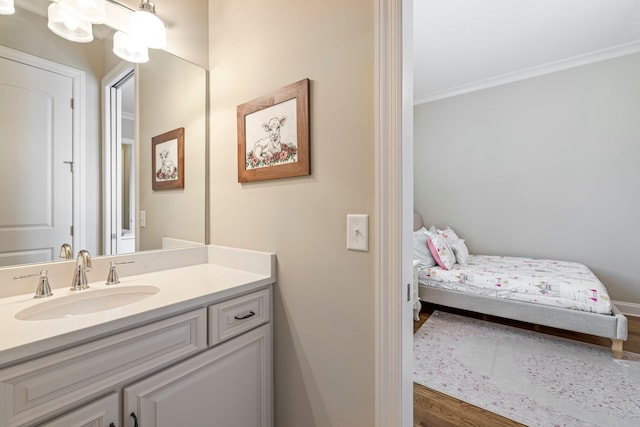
539	70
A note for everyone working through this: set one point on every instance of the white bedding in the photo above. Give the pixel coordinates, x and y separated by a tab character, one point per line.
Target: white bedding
555	283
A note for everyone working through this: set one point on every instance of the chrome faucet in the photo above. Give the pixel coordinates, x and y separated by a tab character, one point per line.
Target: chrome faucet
83	264
65	251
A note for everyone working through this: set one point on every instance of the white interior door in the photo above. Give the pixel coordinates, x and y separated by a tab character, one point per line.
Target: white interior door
36	154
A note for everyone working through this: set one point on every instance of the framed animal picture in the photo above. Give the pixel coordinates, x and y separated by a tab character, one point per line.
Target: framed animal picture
167	160
273	135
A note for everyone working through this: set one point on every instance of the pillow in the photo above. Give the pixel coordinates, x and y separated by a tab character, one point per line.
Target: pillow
449	234
420	250
457	245
440	250
461	252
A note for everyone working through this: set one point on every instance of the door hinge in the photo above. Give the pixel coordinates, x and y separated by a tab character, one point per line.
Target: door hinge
408	292
70	163
72	104
71	230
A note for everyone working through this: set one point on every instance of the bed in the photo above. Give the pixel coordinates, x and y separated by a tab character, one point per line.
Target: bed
559	294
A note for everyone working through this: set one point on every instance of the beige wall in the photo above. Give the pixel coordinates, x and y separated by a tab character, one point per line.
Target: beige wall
324	296
171	94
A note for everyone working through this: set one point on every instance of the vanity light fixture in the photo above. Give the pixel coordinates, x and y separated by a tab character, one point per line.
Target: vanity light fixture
87	10
72	19
67	25
145	26
129	48
6	7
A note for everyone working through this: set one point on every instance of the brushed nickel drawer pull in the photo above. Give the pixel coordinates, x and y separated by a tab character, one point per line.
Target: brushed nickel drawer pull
251	314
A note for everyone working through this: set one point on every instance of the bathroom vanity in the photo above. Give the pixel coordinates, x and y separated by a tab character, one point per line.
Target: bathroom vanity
186	346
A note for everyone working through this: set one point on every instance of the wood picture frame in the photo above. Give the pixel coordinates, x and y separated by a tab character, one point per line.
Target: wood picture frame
167	160
273	135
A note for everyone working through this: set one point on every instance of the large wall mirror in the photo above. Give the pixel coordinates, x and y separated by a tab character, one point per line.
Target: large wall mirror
99	169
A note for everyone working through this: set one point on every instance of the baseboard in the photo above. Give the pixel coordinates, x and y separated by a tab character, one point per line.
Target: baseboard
628	308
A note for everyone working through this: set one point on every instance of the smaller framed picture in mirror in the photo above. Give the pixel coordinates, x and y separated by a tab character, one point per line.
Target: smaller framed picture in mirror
167	160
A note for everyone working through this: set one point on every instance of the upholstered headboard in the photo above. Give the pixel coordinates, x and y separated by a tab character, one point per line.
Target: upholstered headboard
417	221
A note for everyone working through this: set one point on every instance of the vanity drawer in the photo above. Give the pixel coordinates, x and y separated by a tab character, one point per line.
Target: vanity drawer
34	389
230	318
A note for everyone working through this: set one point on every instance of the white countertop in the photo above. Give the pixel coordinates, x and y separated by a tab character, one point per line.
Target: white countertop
180	289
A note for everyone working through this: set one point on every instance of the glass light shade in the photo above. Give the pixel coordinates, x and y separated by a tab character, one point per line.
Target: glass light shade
67	25
148	28
86	10
129	48
6	7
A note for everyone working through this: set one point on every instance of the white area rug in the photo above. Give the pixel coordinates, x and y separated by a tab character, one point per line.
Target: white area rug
529	377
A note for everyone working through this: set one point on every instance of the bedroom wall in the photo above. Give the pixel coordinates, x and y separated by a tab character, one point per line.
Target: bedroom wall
546	167
324	296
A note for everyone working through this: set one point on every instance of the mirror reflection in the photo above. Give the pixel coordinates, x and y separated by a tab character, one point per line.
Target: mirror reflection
75	156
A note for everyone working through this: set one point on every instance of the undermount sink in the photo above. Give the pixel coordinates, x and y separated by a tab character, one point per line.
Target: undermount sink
87	302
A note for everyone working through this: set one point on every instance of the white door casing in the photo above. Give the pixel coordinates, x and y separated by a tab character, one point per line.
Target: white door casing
113	242
394	207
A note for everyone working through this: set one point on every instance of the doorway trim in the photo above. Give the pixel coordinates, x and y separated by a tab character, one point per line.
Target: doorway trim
78	134
394	207
118	73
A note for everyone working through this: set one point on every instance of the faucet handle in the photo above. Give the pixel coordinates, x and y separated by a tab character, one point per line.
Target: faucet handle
43	290
112	277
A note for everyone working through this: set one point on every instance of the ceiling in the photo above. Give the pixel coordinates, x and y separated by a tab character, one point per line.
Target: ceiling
466	45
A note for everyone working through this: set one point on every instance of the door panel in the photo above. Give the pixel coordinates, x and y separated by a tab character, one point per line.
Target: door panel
35	150
228	385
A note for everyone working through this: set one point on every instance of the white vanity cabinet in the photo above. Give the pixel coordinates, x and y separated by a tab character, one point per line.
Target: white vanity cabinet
169	372
228	385
104	412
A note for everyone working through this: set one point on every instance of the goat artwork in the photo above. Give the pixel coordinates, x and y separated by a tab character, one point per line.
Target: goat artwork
271	150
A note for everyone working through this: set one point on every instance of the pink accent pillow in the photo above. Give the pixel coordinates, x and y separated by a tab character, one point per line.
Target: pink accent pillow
440	250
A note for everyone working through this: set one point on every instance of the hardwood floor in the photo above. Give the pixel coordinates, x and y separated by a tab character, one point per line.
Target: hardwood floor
434	409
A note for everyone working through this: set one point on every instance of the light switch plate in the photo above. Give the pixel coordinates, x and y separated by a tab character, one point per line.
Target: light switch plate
358	232
143	219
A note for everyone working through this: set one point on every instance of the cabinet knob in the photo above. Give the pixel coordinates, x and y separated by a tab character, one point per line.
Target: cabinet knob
135	419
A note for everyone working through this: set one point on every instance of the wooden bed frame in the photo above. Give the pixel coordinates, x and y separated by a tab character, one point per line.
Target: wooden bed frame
613	326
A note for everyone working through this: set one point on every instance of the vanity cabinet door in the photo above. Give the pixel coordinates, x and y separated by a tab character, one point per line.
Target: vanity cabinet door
228	385
100	413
